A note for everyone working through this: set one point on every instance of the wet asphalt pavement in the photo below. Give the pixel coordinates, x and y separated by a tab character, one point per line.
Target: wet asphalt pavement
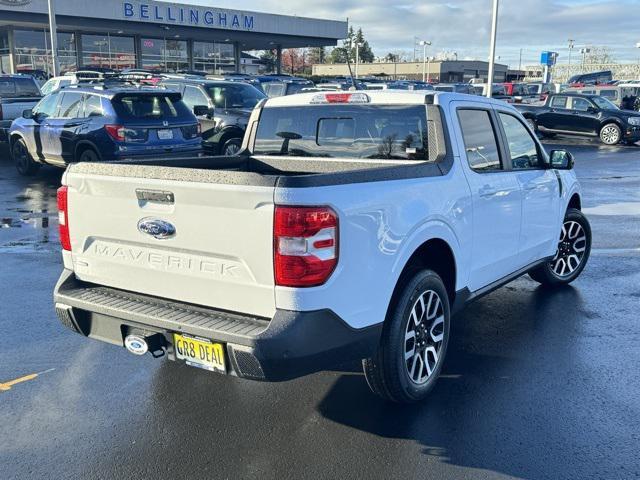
537	383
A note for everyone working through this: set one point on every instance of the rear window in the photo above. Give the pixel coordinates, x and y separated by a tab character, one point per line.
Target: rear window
346	131
18	87
157	105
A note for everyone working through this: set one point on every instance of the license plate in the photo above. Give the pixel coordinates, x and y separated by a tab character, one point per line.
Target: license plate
200	353
165	134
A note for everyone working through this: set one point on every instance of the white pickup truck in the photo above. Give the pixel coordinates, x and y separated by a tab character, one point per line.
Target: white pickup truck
351	226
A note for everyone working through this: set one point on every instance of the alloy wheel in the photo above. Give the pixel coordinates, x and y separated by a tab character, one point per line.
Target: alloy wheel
423	337
610	135
231	149
20	156
571	249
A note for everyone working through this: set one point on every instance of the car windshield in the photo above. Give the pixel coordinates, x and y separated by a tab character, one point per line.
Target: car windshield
234	95
604	104
344	131
156	105
18	87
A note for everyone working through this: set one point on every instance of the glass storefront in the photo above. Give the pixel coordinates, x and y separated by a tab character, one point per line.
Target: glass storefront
32	49
213	58
110	51
165	54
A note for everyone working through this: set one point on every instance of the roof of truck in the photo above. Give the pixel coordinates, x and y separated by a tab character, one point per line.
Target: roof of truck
376	97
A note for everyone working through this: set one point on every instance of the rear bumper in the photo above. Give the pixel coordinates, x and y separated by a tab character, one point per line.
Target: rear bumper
175	153
291	344
4	130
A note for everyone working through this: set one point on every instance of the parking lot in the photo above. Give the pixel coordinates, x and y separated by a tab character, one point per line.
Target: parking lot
537	383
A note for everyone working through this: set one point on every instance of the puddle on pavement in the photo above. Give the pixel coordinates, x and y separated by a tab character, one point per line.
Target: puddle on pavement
29	219
623	208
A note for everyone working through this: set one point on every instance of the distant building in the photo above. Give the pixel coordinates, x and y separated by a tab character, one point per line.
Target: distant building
444	71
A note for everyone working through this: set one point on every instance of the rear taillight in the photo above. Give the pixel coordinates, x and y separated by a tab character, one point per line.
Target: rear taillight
63	218
1	114
117	132
305	245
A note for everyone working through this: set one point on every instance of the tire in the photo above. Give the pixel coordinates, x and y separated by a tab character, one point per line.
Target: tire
396	374
572	255
25	164
232	147
87	155
610	134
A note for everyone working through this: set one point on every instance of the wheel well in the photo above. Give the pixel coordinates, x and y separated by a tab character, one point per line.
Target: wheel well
80	148
13	138
435	254
610	121
575	202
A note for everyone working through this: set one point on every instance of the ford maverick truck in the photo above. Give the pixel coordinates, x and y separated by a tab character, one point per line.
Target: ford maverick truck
351	226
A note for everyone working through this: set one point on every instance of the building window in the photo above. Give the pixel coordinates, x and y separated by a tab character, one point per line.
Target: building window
164	54
5	61
33	50
108	51
213	58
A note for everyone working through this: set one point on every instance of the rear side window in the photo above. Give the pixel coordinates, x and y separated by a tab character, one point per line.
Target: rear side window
93	106
149	106
386	132
479	140
18	87
70	105
558	102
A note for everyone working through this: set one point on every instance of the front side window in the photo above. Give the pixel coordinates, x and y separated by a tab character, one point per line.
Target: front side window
581	104
479	140
522	148
70	105
234	95
47	106
194	96
389	132
605	104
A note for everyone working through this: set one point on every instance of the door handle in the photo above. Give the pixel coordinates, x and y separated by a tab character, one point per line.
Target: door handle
487	191
72	124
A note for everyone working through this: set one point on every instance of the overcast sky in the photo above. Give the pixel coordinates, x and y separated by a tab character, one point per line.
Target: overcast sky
463	26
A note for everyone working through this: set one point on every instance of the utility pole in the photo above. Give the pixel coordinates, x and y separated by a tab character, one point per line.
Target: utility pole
492	48
584	52
520	61
425	44
54	38
571	45
358	45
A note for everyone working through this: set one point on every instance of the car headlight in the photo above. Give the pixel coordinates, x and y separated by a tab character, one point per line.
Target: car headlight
635	121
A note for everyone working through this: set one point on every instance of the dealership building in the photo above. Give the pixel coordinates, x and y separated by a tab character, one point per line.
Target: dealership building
149	34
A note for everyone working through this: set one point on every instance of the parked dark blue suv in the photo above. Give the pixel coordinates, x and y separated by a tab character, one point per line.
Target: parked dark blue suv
93	123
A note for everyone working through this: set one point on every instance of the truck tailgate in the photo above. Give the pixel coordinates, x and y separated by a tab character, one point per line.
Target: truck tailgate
221	254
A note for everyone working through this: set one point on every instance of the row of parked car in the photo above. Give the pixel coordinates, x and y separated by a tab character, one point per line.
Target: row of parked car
89	116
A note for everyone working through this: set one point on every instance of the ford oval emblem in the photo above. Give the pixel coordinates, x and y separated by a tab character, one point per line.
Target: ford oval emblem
157	228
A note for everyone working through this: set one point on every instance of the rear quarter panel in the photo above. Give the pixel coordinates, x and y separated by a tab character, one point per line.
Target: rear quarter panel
381	224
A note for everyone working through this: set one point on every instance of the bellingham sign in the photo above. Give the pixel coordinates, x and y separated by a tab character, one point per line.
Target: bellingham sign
187	15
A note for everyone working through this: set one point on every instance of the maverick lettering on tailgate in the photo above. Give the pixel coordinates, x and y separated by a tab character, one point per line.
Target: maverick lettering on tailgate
166	261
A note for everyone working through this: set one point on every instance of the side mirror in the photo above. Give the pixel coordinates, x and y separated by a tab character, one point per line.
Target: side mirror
561	160
28	113
202	110
592	110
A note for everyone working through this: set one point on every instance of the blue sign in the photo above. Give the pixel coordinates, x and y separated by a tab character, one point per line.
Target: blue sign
187	16
548	58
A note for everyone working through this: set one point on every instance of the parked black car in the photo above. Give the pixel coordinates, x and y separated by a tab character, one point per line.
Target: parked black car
586	115
222	108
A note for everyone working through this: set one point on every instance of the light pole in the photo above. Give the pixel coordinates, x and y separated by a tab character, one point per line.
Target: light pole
584	52
425	44
492	48
54	37
571	45
638	46
358	45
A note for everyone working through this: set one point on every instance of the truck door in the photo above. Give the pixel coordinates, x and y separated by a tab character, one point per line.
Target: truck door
586	116
495	192
559	116
540	190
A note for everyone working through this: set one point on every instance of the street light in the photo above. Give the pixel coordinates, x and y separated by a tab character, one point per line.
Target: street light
358	45
571	46
492	48
425	44
584	52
